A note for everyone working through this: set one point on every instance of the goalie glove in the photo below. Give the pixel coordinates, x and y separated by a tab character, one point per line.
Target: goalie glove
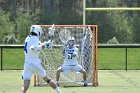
48	44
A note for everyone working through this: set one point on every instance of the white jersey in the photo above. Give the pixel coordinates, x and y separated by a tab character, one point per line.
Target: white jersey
73	60
32	49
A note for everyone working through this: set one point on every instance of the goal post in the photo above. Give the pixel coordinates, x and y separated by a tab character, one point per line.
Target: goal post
86	40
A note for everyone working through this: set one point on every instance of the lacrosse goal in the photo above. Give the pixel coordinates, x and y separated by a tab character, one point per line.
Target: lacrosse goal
85	41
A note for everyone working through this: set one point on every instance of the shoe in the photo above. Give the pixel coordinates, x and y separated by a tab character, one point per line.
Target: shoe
59	92
85	84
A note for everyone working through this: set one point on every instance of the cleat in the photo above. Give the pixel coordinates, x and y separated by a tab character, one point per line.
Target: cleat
85	84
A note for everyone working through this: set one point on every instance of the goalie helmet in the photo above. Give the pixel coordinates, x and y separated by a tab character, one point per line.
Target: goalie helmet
71	40
36	29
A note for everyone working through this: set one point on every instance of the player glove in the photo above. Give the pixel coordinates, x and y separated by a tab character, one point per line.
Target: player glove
48	44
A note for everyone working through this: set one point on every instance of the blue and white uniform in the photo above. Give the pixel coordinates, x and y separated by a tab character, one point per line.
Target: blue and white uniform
32	61
71	63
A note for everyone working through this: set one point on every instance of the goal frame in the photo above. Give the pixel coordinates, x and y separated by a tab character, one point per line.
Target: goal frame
94	49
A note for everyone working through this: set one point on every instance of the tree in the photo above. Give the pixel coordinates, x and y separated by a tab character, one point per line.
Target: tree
6	26
24	21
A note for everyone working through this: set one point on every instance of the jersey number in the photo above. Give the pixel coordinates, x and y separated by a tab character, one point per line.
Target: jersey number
25	47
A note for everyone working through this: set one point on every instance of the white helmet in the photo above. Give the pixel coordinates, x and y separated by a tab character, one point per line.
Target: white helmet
36	29
71	40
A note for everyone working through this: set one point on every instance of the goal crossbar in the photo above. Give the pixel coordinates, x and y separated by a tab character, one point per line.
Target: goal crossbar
112	9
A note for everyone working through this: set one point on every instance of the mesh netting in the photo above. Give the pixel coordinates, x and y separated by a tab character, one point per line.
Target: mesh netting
53	58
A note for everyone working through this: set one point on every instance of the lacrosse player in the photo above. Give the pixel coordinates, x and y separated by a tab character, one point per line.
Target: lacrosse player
32	64
70	53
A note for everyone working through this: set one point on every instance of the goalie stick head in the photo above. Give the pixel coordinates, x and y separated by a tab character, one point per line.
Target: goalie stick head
64	35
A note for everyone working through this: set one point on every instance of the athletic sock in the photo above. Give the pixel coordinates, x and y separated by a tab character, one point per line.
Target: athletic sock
57	83
58	90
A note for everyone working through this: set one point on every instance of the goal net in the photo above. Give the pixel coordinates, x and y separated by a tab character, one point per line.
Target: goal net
85	40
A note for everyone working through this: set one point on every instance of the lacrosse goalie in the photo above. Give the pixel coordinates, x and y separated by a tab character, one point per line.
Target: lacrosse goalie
32	64
70	53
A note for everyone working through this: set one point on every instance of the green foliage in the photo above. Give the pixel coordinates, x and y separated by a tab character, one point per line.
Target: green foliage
10	39
118	24
122	26
19	15
136	28
6	26
23	21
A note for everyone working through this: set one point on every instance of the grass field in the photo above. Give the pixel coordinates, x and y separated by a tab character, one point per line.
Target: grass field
110	81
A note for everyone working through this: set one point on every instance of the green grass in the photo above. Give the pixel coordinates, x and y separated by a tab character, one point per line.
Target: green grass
115	58
109	82
111	59
13	58
108	58
133	58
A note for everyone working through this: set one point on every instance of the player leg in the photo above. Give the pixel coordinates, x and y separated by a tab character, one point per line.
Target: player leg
84	76
63	68
79	68
59	70
26	76
25	86
41	72
52	84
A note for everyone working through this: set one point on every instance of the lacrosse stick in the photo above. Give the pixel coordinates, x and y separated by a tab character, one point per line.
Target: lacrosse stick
51	30
64	34
48	44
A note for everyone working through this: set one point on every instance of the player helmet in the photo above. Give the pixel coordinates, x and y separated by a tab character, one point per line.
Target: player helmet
71	40
36	29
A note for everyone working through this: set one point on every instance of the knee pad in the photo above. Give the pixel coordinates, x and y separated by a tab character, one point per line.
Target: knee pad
48	81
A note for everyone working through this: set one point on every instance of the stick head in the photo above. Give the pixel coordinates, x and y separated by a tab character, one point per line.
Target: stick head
64	35
51	30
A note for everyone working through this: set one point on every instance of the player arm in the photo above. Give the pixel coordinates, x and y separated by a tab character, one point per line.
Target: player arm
36	46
